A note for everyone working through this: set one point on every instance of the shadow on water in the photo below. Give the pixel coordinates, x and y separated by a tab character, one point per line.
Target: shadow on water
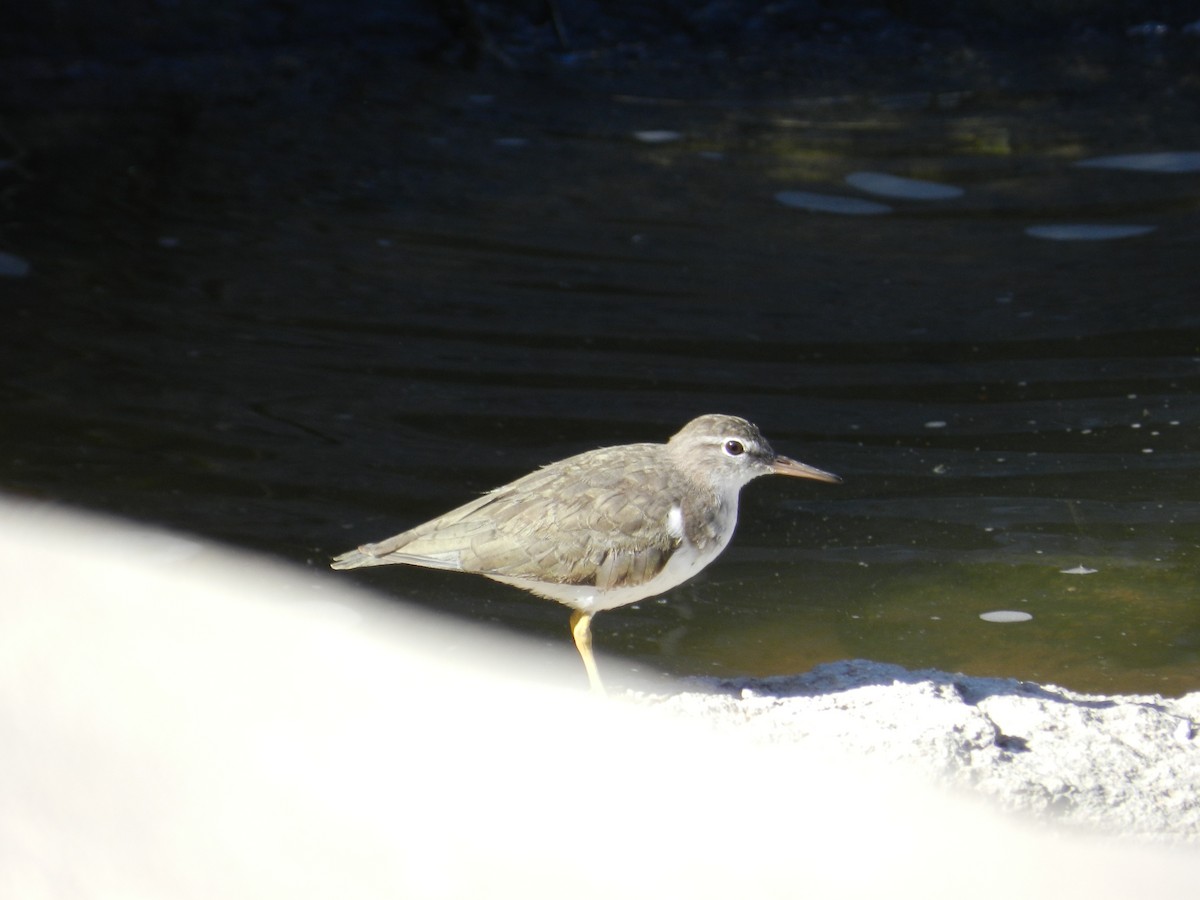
297	326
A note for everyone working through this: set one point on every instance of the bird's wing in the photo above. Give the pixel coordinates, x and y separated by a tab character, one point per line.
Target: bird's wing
571	522
437	544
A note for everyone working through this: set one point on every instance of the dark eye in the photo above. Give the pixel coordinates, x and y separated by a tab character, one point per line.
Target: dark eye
734	448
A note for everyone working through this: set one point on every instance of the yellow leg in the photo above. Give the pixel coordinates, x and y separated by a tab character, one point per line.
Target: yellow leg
581	630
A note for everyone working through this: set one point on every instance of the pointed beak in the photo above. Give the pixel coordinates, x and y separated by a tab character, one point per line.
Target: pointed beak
782	465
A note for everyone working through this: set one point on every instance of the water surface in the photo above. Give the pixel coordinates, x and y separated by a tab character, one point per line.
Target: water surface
298	327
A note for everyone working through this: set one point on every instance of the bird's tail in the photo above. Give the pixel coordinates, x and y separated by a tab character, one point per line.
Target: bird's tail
385	553
357	558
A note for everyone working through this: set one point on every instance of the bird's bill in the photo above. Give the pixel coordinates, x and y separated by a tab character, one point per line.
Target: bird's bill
783	465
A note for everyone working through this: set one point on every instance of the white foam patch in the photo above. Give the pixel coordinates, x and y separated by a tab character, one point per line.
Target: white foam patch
885	185
1170	163
657	136
13	266
1005	615
1086	232
831	203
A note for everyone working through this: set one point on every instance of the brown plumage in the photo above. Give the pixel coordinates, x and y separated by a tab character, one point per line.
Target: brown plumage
604	528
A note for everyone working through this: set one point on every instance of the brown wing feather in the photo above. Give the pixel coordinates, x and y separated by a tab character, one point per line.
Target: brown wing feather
578	521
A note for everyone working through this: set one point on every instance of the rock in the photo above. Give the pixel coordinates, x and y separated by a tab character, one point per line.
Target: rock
1123	764
177	720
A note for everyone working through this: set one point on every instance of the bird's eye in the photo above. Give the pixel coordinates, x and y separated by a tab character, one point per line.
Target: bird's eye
734	448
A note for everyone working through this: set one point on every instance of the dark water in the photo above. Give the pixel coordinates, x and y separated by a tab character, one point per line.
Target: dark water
301	325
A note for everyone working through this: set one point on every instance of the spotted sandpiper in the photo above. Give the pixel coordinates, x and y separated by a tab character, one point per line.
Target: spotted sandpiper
602	529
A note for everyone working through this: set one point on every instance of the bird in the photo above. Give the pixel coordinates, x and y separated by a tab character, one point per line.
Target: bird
604	528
